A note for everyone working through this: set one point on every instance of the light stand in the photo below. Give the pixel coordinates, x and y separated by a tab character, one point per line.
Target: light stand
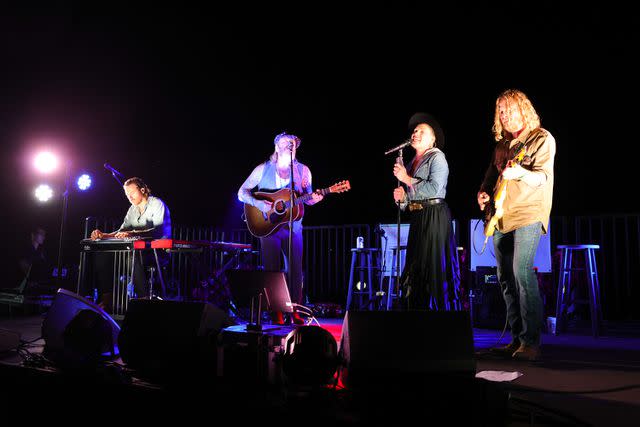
65	204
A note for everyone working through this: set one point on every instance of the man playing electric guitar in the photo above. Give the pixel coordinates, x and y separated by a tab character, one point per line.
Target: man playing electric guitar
523	194
274	174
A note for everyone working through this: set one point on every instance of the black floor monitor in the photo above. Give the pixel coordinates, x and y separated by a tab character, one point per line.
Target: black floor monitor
247	284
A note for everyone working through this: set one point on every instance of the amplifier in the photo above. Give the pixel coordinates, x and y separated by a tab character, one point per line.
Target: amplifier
487	304
252	355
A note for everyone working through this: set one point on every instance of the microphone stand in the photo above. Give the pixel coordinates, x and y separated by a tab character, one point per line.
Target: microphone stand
291	202
400	161
116	178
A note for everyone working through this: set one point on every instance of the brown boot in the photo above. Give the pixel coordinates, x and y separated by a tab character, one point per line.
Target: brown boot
527	352
506	350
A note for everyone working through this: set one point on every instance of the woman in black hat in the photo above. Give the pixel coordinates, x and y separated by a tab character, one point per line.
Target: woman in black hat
431	278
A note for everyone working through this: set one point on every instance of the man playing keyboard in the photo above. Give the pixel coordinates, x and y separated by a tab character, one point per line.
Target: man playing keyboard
147	217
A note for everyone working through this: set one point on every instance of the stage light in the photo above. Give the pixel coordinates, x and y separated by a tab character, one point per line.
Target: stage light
311	356
43	193
84	182
45	162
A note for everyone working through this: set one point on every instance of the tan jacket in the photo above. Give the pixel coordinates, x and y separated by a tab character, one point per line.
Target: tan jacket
523	204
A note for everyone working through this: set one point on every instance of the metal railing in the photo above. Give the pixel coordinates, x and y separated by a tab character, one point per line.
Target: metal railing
327	256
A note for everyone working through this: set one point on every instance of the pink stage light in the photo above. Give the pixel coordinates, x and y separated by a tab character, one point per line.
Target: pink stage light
45	162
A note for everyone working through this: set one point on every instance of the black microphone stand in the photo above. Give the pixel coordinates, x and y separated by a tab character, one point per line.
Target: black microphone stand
401	162
114	175
291	206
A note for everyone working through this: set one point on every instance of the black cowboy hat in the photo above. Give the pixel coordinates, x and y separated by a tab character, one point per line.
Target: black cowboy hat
427	118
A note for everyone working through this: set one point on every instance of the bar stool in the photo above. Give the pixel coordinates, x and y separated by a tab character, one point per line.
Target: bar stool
363	257
565	284
393	290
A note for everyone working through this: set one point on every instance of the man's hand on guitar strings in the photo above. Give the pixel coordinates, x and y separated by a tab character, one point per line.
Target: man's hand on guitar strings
264	205
514	171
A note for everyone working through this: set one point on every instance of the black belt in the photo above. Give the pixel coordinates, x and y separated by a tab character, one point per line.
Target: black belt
415	205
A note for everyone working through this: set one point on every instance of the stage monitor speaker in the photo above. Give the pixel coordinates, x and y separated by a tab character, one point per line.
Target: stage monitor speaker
78	332
166	337
379	348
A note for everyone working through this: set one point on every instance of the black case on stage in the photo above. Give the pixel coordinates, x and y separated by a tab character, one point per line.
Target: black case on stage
252	355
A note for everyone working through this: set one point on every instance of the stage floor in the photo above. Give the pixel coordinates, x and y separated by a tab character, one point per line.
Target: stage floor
580	380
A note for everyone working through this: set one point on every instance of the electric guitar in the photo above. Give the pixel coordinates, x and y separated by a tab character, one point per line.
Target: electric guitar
493	211
262	224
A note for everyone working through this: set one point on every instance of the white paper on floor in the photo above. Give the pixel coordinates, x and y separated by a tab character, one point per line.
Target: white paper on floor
498	375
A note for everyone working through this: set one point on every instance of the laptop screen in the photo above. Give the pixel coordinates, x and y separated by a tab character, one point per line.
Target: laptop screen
247	284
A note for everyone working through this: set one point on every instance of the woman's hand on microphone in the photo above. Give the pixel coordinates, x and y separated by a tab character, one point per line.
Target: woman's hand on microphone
400	172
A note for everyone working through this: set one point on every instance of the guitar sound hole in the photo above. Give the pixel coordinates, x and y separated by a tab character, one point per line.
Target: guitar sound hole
279	207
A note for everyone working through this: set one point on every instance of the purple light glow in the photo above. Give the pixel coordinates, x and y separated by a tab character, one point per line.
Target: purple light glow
84	182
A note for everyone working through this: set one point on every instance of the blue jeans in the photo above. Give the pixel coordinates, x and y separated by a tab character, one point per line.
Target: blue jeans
515	252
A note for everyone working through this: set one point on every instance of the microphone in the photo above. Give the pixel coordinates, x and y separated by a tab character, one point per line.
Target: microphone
399	147
112	169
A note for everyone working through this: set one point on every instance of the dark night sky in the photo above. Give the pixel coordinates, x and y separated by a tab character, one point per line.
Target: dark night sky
190	100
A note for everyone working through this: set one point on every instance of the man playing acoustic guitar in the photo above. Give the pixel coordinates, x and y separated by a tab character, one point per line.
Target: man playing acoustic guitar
522	188
273	175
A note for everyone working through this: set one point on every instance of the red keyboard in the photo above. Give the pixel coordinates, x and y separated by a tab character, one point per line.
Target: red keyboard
198	244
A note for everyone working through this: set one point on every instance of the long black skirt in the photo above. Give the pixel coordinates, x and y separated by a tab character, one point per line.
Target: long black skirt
431	276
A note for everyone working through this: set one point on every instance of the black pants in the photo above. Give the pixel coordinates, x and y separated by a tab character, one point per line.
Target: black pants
100	273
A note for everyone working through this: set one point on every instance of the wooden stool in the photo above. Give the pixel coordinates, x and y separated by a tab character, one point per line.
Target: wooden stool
565	284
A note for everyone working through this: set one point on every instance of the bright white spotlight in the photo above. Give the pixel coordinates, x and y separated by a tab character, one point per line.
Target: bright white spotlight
46	162
43	192
84	182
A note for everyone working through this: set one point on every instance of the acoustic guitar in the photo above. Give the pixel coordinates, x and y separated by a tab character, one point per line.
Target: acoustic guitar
493	210
262	224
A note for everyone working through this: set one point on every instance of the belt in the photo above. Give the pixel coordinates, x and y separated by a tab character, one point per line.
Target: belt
416	205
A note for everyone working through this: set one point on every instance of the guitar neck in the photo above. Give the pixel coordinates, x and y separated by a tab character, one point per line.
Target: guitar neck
307	196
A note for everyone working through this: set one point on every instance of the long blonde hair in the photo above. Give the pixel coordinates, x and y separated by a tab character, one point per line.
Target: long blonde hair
517	98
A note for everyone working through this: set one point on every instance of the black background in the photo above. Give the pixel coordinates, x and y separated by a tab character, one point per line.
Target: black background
190	98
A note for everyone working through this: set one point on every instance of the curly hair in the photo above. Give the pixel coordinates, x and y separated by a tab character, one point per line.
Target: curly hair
515	99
